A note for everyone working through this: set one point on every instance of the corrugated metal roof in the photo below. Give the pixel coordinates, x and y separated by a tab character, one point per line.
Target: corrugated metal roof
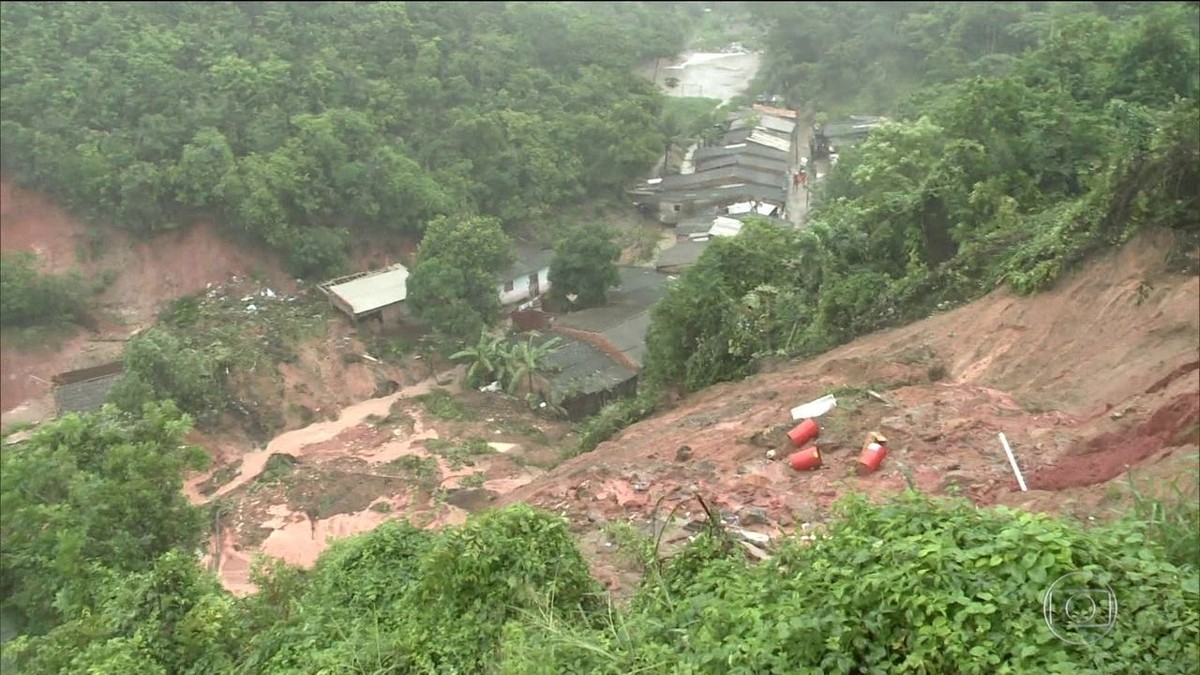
777	124
725	227
683	254
529	260
773	142
741	149
375	291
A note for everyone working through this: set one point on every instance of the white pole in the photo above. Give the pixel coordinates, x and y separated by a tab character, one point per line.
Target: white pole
1013	461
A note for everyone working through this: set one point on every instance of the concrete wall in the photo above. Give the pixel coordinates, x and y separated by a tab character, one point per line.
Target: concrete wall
521	287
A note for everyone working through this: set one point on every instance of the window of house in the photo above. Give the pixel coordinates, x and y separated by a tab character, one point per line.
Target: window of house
508	286
678	207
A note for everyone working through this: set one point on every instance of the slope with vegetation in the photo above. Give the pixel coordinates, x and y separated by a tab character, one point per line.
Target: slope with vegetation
302	124
1049	155
1009	177
912	585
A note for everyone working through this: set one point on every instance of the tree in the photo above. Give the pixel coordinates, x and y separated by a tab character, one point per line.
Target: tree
455	302
92	493
469	242
584	267
454	285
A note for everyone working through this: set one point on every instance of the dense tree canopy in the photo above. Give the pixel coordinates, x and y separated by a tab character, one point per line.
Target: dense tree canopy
300	123
454	284
91	496
1011	177
584	267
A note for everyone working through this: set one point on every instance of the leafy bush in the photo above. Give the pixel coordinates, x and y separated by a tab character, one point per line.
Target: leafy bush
913	585
159	367
88	494
614	417
30	298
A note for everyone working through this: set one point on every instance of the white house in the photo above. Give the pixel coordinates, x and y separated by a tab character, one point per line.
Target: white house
528	277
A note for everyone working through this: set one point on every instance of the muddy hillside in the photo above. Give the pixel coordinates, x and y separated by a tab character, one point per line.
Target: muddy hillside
1088	381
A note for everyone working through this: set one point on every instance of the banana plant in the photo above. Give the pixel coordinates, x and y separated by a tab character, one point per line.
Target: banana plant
524	359
488	360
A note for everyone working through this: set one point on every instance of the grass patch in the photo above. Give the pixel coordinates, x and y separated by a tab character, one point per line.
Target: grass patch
278	467
1172	517
475	480
381	507
527	430
16	427
223	475
459	453
423	471
441	405
611	419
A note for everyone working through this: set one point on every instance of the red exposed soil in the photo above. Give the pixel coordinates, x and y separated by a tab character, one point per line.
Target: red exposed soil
144	274
1111	454
1047	371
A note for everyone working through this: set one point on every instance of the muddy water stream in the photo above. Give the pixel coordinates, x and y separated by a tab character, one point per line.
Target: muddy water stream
294	538
300	442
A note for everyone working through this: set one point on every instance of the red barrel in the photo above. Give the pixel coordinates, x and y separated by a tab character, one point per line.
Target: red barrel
805	460
872	456
804	432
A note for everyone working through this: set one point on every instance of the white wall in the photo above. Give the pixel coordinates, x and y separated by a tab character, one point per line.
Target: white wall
520	290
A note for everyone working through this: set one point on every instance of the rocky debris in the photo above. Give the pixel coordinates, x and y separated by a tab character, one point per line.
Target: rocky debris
753	515
755	551
752	537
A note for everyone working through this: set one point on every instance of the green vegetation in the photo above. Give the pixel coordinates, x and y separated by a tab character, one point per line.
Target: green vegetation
512	364
205	348
909	585
1172	518
459	453
279	465
423	471
1007	178
584	267
301	124
87	498
31	298
914	585
442	405
614	417
686	120
453	286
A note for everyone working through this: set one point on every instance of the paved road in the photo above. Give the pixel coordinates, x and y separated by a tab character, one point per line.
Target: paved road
798	197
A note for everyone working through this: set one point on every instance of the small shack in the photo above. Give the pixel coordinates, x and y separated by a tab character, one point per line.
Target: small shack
827	138
368	294
680	257
528	277
581	379
85	390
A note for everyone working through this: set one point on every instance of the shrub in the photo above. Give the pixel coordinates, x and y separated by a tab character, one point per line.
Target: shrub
614	417
30	298
913	585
